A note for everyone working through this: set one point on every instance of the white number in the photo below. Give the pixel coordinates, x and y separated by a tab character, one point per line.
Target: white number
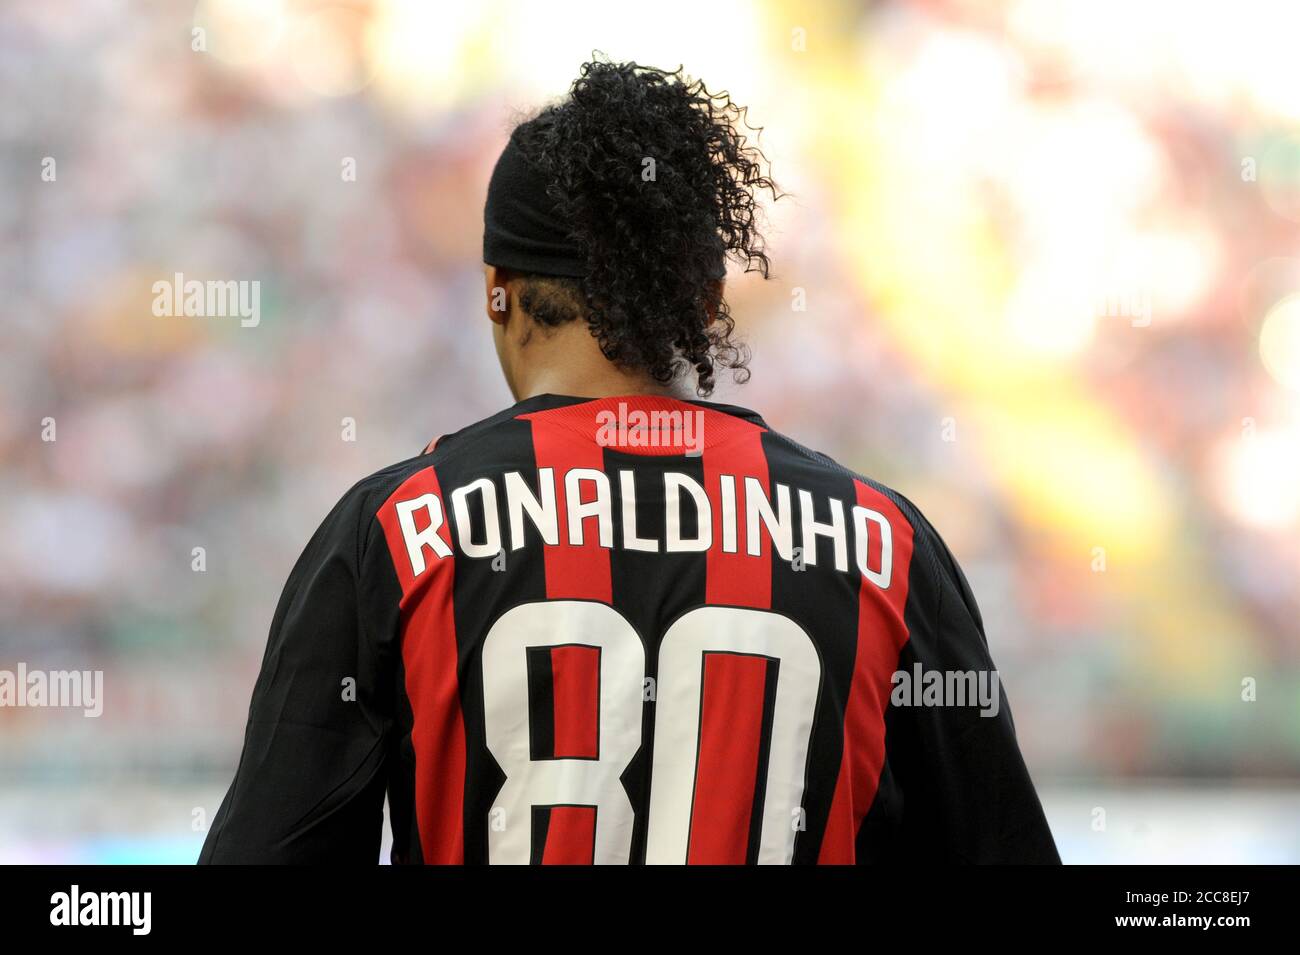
677	723
586	782
595	782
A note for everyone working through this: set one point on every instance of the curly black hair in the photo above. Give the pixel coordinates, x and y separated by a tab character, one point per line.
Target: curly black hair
655	234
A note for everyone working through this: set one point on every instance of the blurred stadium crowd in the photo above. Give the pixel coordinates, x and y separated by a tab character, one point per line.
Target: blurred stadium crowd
1036	270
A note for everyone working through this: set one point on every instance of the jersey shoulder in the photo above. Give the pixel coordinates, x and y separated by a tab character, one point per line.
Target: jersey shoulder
786	452
362	502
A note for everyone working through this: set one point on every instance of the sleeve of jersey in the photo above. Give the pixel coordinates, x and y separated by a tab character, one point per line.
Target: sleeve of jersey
967	795
312	773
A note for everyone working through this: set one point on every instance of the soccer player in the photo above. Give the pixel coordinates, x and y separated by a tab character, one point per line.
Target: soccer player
616	624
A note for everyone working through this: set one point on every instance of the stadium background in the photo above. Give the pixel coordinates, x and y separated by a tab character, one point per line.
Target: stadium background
1036	271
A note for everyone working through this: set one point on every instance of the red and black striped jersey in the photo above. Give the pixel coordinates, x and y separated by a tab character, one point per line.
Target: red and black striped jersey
627	630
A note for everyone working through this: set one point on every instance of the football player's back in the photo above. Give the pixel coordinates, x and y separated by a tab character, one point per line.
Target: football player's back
673	634
611	623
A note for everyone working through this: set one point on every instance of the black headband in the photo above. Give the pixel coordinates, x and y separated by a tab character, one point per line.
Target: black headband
522	229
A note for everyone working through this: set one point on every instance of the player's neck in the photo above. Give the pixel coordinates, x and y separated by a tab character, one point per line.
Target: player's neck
593	383
568	361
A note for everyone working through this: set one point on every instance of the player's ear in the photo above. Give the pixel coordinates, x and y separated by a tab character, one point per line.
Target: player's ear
714	300
497	294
